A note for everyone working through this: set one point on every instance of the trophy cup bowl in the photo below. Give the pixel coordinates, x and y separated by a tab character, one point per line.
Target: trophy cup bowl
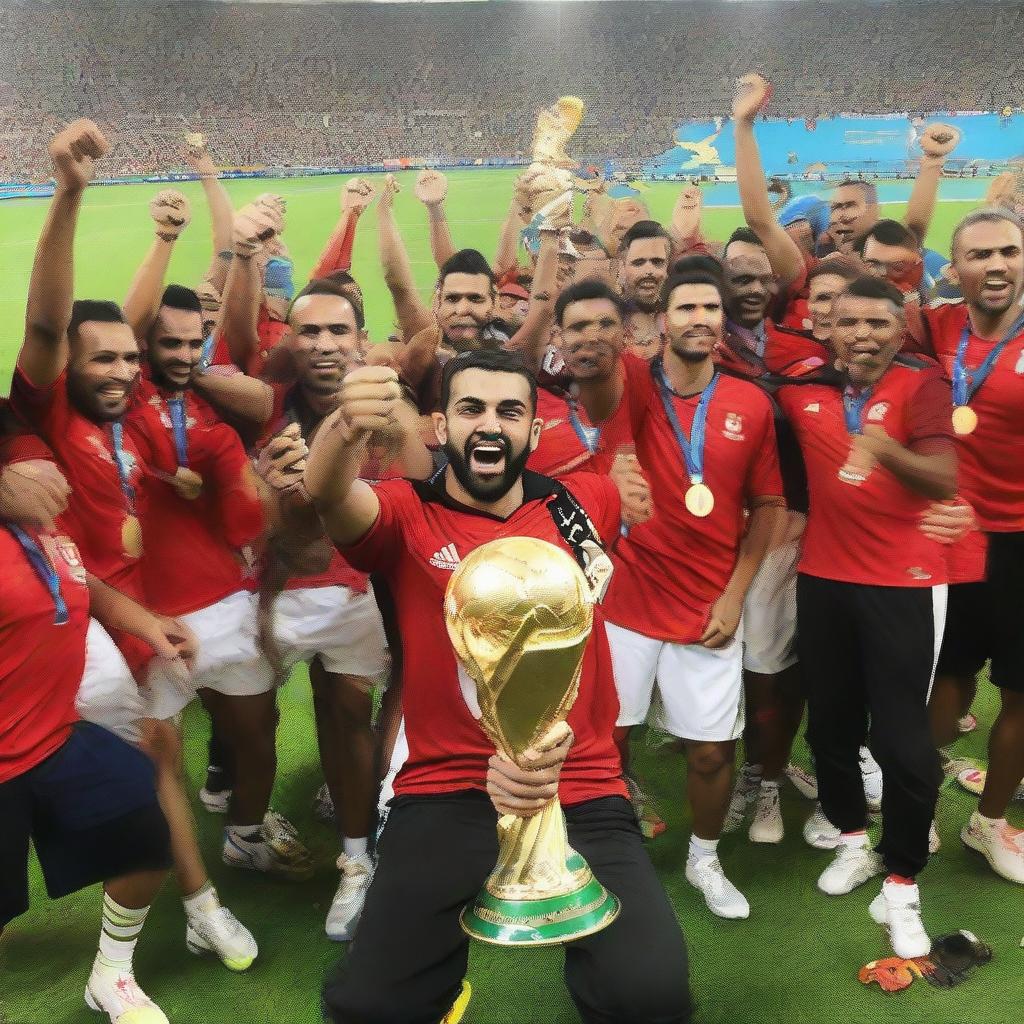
519	612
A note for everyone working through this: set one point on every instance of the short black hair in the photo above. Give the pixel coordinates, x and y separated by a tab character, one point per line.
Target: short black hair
890	232
867	188
986	215
491	360
588	288
692	275
643	229
869	287
177	296
846	267
467	261
743	234
100	310
347	290
698	261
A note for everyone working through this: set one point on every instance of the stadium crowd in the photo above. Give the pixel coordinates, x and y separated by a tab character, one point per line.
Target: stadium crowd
214	481
414	81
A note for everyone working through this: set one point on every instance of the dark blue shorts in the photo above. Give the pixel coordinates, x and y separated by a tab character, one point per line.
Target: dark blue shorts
91	811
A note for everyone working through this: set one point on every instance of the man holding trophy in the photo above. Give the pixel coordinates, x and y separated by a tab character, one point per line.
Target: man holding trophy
496	574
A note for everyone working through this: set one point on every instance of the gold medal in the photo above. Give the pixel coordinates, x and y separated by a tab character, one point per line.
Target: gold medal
699	500
131	537
965	420
188	483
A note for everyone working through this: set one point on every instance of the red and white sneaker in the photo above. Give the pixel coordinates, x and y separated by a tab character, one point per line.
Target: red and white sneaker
999	843
116	993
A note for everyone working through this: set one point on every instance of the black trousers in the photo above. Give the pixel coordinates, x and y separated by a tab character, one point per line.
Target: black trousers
869	651
409	956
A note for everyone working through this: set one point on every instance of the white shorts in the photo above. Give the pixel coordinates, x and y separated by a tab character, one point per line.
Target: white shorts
769	613
700	690
229	660
108	694
342	627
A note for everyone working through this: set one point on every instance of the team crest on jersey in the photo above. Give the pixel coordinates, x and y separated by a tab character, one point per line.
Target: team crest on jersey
64	548
877	412
733	426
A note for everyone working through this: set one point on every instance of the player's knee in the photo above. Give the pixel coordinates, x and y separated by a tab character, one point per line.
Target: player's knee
708	758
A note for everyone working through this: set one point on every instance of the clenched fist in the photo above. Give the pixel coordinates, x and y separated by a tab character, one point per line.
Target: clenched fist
370	396
938	141
74	151
431	187
171	213
254	225
357	195
282	461
33	492
634	489
751	97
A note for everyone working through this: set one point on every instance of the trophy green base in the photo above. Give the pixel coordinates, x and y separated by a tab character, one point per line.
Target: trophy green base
542	922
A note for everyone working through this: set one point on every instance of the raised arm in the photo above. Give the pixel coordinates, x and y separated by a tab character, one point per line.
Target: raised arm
348	506
171	214
687	228
432	190
240	312
356	196
413	314
752	93
44	351
221	211
937	142
535	332
506	257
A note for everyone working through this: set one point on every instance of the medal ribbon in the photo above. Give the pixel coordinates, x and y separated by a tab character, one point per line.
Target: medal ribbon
853	409
121	461
43	568
176	408
590	438
692	447
966	386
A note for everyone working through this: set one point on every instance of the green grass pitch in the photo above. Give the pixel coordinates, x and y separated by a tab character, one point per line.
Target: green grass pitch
794	961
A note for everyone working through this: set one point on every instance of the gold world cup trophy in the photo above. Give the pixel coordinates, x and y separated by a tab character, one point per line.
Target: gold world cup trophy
549	177
519	612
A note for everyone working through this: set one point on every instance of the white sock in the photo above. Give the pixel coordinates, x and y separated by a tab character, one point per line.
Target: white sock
247	833
202	901
856	840
702	849
118	935
355	847
996	823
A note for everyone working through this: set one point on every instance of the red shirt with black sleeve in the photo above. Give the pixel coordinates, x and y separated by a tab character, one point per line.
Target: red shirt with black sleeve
41	662
869	532
416	543
671	570
992	457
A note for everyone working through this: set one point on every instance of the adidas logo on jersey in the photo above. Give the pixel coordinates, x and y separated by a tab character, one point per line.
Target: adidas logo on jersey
446	558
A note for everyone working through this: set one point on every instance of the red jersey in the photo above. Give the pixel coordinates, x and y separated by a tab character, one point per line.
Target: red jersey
869	533
570	442
269	331
41	662
992	457
415	544
670	570
965	560
194	548
86	453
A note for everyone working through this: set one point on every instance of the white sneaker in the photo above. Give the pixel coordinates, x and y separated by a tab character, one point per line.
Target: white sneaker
356	875
1002	846
767	826
272	851
803	781
214	929
934	842
215	802
117	994
851	866
819	832
898	907
872	777
721	896
744	793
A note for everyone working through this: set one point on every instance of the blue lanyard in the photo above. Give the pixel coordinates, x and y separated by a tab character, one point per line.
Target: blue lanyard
44	570
966	386
176	407
121	461
853	409
589	438
692	447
